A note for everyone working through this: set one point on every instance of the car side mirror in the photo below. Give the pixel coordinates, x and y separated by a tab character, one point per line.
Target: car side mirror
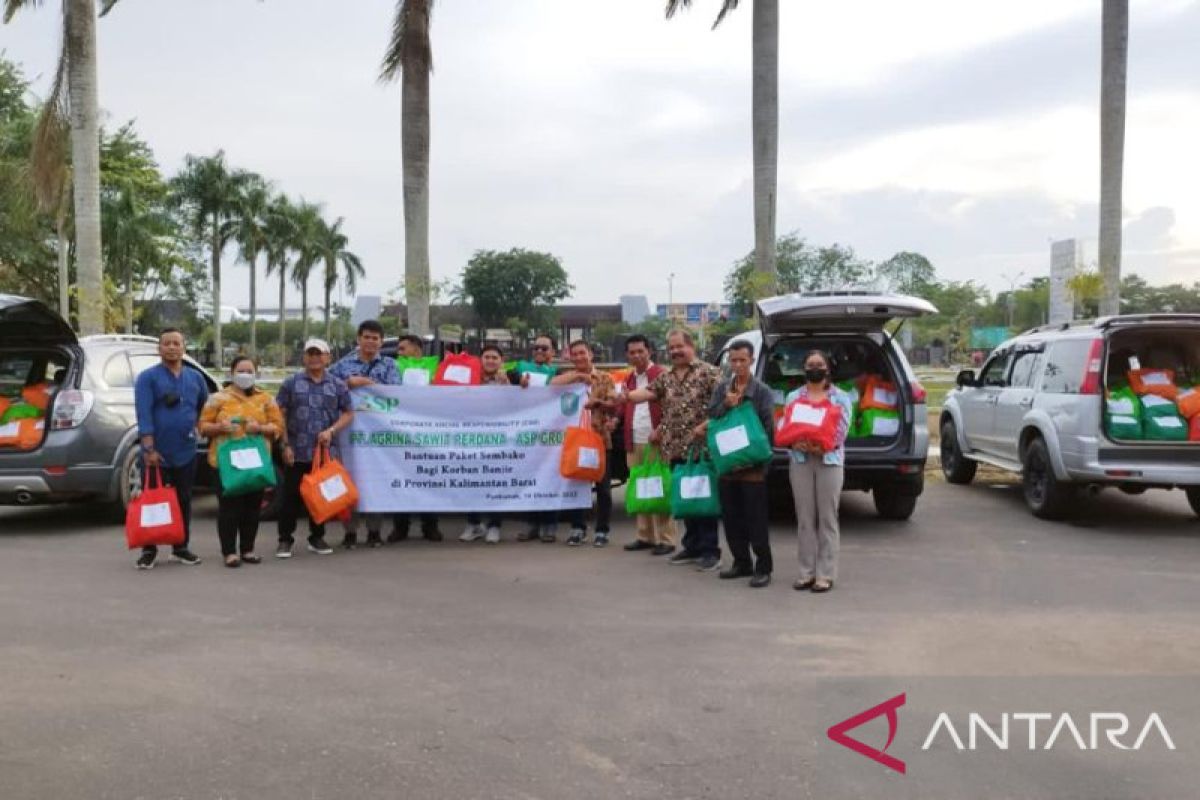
965	378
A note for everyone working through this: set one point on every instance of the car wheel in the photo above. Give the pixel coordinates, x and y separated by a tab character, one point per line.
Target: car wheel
955	466
891	504
130	478
272	497
1193	495
1046	496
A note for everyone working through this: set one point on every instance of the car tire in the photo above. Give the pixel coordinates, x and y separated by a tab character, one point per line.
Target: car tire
1046	496
1193	496
129	479
891	504
956	467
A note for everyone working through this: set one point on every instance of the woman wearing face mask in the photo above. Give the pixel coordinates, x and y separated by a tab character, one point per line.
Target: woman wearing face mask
239	410
816	477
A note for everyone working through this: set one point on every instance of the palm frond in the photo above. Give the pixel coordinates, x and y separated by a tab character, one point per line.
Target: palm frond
48	153
674	6
409	47
107	6
11	7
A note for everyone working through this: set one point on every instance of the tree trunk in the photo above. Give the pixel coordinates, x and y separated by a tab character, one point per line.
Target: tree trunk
414	150
128	297
304	309
283	348
85	157
1113	56
218	351
330	279
64	265
254	306
765	115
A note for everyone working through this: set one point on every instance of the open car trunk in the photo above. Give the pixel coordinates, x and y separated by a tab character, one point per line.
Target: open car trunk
1149	378
30	378
860	367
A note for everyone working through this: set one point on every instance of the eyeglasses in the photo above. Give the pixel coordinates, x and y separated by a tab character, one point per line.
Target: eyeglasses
542	348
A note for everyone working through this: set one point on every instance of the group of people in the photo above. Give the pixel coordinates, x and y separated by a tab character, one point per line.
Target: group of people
662	410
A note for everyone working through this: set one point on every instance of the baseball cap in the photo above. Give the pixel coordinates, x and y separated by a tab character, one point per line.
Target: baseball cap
317	344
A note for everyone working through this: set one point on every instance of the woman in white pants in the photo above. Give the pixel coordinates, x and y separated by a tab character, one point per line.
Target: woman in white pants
816	478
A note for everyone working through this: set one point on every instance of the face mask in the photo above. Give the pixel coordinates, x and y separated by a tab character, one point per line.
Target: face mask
243	380
816	375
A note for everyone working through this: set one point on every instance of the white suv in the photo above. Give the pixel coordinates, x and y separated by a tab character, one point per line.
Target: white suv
1038	407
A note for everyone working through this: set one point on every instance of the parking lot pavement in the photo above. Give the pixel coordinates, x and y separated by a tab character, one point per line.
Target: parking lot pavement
535	671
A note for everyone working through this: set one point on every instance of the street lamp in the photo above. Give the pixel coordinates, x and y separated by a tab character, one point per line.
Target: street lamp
1012	289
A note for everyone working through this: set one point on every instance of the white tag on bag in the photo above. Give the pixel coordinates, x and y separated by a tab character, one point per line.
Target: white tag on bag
803	414
696	487
415	377
457	374
538	378
650	488
732	440
156	515
333	488
589	458
249	458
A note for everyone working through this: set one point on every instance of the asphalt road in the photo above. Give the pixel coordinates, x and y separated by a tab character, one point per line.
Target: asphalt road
537	671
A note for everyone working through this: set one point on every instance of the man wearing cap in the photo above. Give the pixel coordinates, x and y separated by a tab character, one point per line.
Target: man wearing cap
315	406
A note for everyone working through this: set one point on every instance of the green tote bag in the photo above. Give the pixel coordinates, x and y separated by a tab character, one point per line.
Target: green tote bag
649	487
416	370
694	489
737	440
244	465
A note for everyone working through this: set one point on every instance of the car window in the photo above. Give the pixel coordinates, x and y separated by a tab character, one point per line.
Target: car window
1066	363
1025	369
142	362
117	373
995	370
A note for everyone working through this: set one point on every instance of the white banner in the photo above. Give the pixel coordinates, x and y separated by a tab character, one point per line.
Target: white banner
451	448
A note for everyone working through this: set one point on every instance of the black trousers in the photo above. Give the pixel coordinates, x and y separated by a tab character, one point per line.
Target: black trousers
291	506
237	518
744	512
429	522
184	480
578	516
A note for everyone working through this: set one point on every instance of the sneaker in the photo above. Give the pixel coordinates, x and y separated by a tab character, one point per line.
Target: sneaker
473	533
147	559
600	539
638	544
374	539
493	535
350	541
397	536
529	535
185	557
682	557
284	550
548	535
317	545
760	580
577	537
250	558
662	550
432	535
708	564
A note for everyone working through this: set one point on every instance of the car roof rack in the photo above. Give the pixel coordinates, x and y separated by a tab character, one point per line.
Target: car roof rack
118	337
1058	326
1107	322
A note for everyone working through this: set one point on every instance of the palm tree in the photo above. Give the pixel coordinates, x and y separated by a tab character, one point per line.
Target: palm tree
307	231
75	95
1113	58
410	54
134	238
210	192
765	124
332	246
249	230
280	229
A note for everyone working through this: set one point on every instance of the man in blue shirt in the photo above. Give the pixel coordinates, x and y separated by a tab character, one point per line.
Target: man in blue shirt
315	406
168	398
365	367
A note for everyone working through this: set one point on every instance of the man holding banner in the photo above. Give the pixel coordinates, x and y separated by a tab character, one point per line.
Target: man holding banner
408	348
491	359
543	525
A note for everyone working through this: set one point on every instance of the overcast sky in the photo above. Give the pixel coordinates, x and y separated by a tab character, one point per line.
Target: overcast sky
620	142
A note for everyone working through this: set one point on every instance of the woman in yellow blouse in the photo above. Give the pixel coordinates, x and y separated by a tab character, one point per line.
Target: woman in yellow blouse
238	410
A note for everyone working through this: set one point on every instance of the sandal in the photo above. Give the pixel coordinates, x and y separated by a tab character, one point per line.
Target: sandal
804	585
233	562
822	585
250	558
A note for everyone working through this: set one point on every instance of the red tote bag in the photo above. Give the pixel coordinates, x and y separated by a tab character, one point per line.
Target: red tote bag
153	517
459	369
806	421
583	452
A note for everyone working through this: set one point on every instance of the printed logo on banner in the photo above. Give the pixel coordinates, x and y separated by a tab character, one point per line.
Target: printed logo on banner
569	403
378	405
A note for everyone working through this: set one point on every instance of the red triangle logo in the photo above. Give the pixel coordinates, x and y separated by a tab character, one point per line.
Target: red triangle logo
838	733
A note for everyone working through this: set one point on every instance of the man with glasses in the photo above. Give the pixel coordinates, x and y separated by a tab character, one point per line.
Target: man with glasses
543	525
411	346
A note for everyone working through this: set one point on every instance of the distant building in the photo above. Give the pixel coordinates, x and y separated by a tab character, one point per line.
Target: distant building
366	306
635	308
694	313
1065	259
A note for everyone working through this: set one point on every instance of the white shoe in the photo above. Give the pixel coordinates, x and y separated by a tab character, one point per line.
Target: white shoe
471	534
493	536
